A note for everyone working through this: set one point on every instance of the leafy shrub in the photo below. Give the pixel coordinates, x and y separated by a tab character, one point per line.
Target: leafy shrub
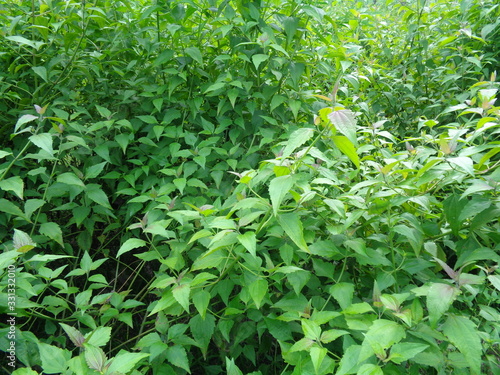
193	201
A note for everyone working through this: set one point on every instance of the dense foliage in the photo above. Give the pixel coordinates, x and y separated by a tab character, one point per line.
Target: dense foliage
265	187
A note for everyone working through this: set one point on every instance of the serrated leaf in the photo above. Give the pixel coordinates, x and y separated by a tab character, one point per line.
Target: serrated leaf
297	139
180	184
383	334
44	141
95	193
14	184
347	148
94	170
69	178
291	224
439	299
249	242
32	205
344	121
22	241
463	334
10	208
54	360
406	350
258	59
98	337
278	189
181	294
200	234
74	335
331	335
23	120
177	356
201	299
343	293
317	356
53	231
95	357
311	329
258	290
202	330
123	363
130	244
303	344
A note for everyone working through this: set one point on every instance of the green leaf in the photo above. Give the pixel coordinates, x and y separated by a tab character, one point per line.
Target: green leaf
332	335
94	170
311	329
439	299
370	369
291	224
383	334
53	231
15	184
464	163
177	356
180	184
41	71
98	337
343	293
453	207
54	359
258	59
95	193
231	368
344	121
24	371
201	299
413	236
495	281
195	54
24	41
22	241
349	362
406	350
69	178
464	335
347	148
297	139
249	242
44	141
303	344
10	208
23	120
181	294
202	330
74	335
4	154
124	362
317	356
130	244
278	189
258	290
95	357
